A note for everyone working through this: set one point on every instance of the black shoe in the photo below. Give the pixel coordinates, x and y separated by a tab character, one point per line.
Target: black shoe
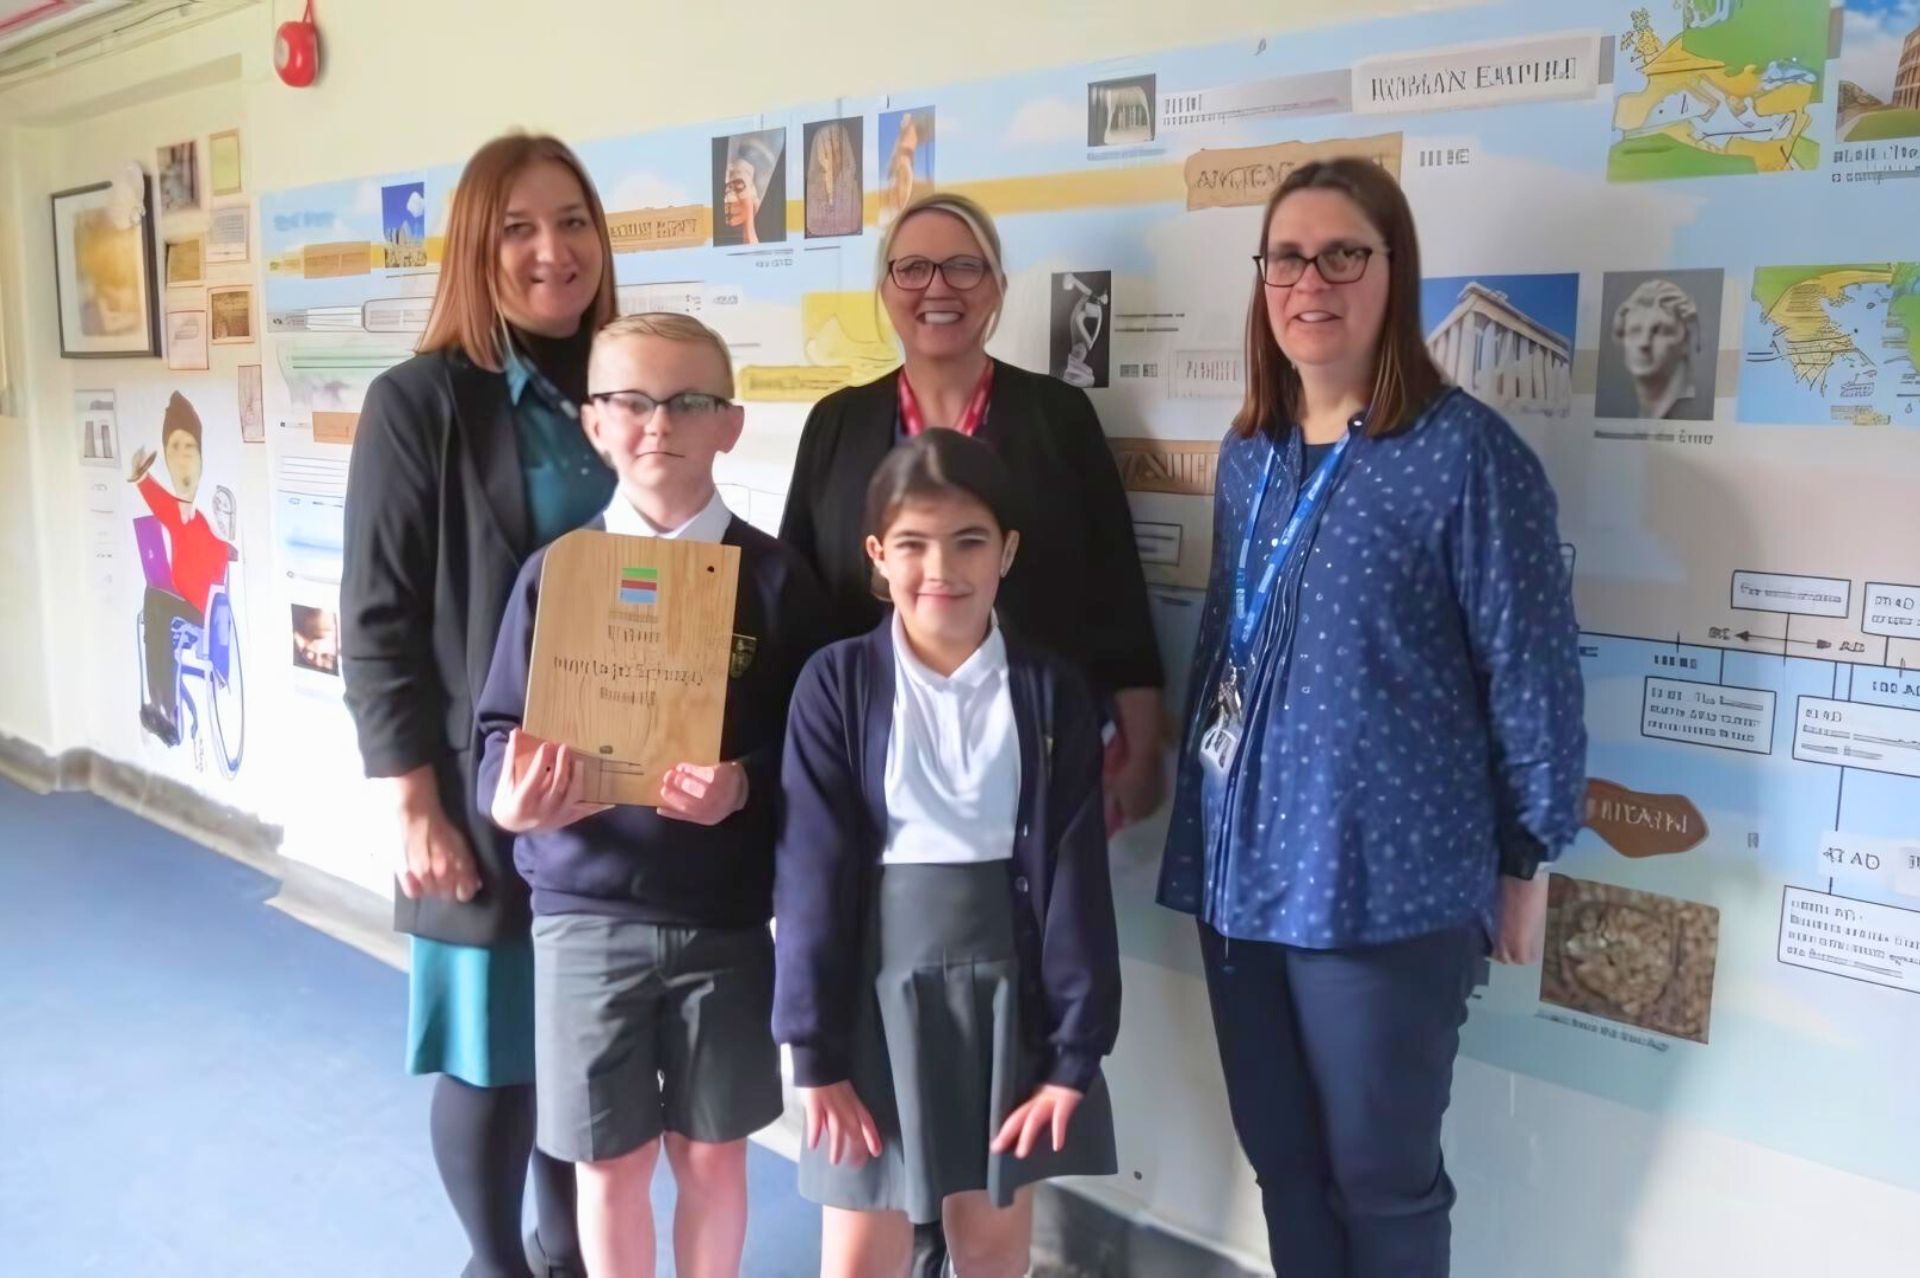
543	1267
155	721
929	1251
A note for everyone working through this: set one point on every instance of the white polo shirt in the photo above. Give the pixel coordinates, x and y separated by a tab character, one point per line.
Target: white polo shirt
953	760
709	525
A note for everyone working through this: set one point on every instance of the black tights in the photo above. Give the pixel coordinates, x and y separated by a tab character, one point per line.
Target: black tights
482	1140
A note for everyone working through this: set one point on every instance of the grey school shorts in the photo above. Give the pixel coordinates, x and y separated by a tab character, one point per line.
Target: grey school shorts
641	1028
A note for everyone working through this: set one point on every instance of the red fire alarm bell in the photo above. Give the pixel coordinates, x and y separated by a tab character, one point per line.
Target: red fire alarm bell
296	50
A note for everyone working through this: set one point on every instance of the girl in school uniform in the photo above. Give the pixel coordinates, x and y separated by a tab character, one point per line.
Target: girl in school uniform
947	973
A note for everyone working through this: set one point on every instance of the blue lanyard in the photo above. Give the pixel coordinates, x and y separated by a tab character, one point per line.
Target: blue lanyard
1246	620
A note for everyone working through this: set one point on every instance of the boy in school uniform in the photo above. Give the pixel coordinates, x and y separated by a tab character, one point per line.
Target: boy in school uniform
653	965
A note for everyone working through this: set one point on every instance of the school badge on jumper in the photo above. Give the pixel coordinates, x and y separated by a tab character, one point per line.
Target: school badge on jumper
744	646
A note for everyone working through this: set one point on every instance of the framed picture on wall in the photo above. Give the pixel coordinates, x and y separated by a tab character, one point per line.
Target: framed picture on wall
187	341
232	312
186	261
104	274
223	163
179	168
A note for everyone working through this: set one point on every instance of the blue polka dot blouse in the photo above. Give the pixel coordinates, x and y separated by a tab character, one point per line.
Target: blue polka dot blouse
1426	711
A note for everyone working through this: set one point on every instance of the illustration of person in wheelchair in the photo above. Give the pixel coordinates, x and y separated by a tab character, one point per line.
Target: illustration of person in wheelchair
190	656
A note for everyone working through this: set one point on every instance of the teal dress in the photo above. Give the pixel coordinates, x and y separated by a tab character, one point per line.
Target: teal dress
470	1008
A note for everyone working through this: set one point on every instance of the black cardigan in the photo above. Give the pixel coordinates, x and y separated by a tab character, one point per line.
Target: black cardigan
1076	588
436	530
833	826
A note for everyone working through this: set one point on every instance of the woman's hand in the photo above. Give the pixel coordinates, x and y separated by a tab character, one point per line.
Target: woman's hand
835	1111
142	462
536	787
1134	767
703	794
1050	1110
1523	919
1135	787
438	861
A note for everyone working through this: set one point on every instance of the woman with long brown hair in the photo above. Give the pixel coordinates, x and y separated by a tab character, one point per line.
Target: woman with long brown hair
1384	737
468	458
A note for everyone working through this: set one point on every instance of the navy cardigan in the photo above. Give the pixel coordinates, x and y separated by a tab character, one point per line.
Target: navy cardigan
630	860
833	831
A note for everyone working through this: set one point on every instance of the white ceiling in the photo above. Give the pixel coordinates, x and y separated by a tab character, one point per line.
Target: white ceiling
23	21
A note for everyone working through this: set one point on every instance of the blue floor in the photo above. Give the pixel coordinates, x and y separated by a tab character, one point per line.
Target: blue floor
193	1083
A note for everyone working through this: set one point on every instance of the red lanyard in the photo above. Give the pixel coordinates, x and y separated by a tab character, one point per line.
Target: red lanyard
914	422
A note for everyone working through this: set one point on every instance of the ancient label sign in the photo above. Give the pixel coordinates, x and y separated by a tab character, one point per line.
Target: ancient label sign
1234	176
1639	825
1167	466
687	227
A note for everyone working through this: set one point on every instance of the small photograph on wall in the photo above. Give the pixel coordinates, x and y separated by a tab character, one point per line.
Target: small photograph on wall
223	163
1121	112
232	312
836	196
187	349
227	233
179	169
906	159
1507	340
1080	335
750	188
186	262
99	428
1660	345
1880	71
403	223
1634	957
316	640
107	287
253	418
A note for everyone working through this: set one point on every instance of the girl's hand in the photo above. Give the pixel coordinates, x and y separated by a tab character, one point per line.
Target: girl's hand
1050	1109
835	1111
536	787
1523	919
703	794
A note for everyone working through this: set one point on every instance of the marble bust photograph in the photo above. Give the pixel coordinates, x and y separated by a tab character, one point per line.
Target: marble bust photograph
1660	345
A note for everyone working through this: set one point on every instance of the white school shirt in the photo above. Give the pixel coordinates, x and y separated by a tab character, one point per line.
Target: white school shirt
953	759
709	525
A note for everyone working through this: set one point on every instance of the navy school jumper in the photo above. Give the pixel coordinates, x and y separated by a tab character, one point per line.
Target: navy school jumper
833	831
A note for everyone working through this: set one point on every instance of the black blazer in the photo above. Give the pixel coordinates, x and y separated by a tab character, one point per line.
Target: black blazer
833	829
1076	588
436	531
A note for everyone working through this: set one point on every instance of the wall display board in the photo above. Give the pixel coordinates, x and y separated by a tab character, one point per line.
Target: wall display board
1675	243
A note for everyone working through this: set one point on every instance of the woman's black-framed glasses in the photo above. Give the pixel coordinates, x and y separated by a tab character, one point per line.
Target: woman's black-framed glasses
1340	264
915	273
640	406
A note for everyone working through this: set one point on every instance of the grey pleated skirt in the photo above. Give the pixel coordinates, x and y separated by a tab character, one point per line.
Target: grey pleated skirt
939	1059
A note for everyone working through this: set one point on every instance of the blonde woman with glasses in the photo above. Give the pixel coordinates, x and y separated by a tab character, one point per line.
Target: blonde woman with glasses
1077	589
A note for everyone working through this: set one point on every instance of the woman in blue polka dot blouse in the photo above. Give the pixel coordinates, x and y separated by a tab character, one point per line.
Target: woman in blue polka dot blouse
1384	736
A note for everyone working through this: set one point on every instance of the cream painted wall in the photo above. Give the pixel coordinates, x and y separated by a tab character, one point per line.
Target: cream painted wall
1554	1183
24	710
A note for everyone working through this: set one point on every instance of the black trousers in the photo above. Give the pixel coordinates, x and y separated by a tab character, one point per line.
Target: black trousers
163	669
1339	1064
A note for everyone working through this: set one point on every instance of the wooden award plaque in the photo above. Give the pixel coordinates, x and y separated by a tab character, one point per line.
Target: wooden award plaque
631	645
